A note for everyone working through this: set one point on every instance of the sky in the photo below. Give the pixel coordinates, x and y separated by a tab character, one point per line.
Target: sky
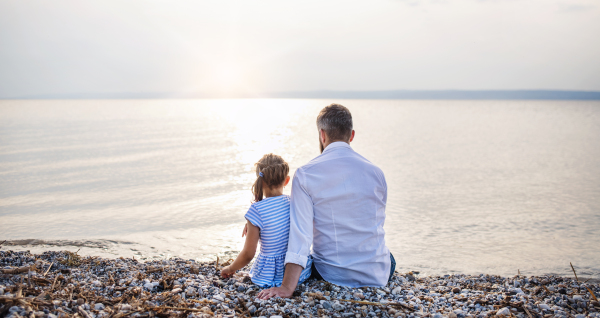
71	48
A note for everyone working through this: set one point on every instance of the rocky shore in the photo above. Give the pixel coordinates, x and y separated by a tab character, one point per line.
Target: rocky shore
63	284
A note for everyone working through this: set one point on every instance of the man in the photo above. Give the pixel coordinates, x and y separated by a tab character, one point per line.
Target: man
337	206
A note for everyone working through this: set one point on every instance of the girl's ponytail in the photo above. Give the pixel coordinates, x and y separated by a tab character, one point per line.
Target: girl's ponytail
257	189
272	170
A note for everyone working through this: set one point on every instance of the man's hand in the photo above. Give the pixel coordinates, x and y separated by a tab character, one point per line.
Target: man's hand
282	292
245	231
290	281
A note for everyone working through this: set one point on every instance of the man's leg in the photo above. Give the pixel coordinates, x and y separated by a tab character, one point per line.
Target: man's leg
392	268
314	273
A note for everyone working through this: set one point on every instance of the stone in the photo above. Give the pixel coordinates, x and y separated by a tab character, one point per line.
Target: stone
544	307
218	298
252	309
338	307
191	291
359	295
99	306
97	283
503	312
396	290
241	289
326	304
456	290
148	286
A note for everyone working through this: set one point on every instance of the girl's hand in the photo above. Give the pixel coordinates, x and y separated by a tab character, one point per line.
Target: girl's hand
245	231
227	272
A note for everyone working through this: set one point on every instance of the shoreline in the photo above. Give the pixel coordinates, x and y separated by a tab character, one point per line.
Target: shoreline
64	284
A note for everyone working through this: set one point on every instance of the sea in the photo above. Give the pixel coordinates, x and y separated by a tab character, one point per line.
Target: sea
476	186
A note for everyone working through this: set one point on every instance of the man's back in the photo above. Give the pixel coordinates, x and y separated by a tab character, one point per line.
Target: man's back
338	204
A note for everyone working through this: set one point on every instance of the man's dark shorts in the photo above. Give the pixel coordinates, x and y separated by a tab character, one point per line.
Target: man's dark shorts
315	274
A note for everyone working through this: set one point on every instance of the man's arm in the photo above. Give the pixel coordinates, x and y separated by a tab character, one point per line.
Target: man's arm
290	281
300	240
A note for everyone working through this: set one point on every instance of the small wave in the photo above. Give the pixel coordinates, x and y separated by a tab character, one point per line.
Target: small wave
100	244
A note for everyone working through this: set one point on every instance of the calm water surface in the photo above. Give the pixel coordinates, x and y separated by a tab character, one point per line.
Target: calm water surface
474	186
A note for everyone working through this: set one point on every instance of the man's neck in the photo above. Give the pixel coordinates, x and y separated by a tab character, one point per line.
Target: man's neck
329	143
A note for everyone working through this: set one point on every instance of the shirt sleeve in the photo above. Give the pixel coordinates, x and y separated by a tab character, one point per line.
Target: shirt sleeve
254	218
301	223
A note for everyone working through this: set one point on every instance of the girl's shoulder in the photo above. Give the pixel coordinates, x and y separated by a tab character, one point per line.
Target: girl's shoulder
280	201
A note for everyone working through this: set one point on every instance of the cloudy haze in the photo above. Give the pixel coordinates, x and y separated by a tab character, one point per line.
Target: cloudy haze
191	48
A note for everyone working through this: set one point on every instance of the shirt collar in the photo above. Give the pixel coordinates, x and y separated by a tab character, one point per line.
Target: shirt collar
337	144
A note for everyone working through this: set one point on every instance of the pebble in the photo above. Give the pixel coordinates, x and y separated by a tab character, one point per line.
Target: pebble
326	304
544	307
218	298
503	312
359	295
173	283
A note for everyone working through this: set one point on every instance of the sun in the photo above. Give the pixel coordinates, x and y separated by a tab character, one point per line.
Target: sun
228	77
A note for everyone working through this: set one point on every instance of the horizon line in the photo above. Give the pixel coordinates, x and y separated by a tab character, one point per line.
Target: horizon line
454	94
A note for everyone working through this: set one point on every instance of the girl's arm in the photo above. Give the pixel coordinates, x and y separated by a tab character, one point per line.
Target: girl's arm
247	254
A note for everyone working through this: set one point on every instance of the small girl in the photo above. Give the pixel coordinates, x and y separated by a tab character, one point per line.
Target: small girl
268	220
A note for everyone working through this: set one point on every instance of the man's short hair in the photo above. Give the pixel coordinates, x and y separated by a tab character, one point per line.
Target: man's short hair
336	121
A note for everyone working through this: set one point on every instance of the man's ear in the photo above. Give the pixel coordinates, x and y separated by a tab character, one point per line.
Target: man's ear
351	136
323	136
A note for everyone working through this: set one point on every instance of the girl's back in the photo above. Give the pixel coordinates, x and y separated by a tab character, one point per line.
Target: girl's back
272	217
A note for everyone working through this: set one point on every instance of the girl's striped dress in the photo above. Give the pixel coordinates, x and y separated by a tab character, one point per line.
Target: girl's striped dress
272	217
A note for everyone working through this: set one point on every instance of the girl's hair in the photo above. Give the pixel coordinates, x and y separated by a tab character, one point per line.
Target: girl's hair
274	170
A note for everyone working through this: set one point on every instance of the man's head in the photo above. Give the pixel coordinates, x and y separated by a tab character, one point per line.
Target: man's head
335	124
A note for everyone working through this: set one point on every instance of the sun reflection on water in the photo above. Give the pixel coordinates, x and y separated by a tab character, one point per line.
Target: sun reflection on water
256	133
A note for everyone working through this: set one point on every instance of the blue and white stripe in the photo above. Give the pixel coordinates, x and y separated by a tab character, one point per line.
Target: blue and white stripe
272	217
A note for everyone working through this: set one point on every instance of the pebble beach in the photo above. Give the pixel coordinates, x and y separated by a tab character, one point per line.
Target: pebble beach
64	284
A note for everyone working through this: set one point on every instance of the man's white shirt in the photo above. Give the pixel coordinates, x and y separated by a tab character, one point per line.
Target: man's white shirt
338	205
